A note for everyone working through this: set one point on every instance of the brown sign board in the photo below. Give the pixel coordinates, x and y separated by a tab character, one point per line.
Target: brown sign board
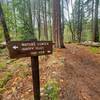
19	49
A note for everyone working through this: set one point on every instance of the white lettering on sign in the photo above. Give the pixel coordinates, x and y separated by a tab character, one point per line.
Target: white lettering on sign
32	48
33	53
15	47
27	49
49	51
39	48
38	52
34	44
41	52
42	44
28	44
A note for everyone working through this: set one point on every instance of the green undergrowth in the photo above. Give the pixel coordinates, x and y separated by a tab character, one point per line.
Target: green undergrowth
52	90
2	90
1	50
24	74
2	65
5	79
95	50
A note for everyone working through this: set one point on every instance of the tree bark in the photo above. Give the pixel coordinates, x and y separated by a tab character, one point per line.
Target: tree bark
57	34
96	27
39	20
6	32
30	18
45	20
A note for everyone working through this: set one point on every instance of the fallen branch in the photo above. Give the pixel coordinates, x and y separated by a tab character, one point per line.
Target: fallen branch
90	43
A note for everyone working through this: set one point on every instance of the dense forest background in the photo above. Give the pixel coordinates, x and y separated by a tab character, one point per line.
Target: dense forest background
71	73
74	20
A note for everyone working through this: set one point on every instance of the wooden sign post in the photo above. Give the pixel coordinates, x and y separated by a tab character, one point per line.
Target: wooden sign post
33	49
35	76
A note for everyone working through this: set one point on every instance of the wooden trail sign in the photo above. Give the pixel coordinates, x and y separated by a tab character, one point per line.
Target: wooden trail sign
33	49
19	49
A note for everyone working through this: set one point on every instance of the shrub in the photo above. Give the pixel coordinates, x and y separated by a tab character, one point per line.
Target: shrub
52	90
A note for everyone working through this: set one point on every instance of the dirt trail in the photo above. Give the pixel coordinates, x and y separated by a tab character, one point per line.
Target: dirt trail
75	68
81	74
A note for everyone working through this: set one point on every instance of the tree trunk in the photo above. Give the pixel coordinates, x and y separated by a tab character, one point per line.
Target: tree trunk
45	20
39	20
62	17
69	22
6	32
96	27
50	19
30	19
80	18
92	21
57	34
14	14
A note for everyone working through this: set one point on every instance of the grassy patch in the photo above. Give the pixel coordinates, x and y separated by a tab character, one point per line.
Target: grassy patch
2	90
2	65
0	50
24	74
3	52
95	50
52	90
5	79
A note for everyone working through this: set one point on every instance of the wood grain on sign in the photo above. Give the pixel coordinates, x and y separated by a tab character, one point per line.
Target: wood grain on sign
18	49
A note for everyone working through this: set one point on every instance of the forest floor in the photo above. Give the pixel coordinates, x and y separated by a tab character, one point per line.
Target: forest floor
76	69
